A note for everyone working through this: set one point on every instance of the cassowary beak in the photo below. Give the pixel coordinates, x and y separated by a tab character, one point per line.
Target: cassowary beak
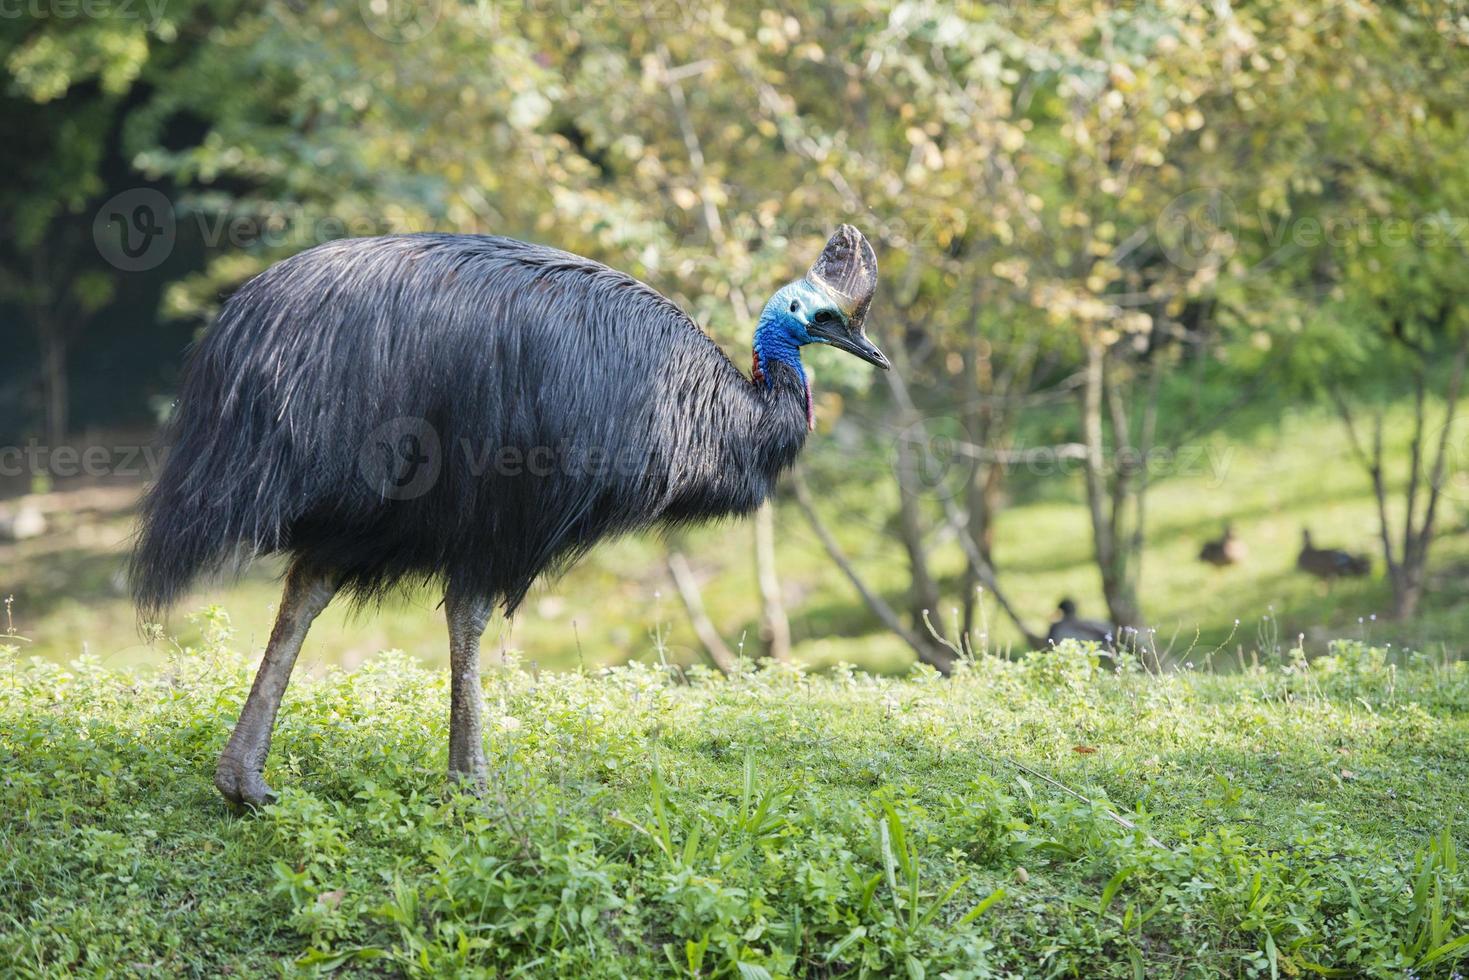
847	271
854	342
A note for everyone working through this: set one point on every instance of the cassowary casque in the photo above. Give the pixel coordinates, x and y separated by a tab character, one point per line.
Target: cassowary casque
467	410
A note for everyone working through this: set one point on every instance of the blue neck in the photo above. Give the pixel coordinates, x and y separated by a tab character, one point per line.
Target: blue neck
777	339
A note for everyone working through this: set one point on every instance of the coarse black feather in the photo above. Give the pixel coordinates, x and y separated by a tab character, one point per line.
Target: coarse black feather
362	406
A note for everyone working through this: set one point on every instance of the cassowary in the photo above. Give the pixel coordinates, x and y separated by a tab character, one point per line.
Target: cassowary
470	411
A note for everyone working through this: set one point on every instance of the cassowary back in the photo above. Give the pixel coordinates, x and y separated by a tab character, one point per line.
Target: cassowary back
468	408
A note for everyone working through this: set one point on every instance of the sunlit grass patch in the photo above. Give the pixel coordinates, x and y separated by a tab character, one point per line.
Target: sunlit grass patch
1044	816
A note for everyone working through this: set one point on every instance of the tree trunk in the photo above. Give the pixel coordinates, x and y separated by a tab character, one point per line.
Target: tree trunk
1101	492
978	566
1405	598
1121	595
1114	491
55	391
981	421
924	591
775	627
983	500
923	594
981	489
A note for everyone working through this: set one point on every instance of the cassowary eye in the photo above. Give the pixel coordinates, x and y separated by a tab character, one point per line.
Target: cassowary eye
823	317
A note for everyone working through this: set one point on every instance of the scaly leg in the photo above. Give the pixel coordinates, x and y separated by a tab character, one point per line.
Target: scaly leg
238	776
467	619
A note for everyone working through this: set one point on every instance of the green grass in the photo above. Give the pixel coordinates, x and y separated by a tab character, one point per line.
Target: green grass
1294	819
1270	481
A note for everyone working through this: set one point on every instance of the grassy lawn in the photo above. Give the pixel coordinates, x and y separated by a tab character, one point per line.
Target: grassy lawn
1036	818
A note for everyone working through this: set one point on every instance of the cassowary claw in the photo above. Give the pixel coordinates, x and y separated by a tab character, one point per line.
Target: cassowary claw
242	784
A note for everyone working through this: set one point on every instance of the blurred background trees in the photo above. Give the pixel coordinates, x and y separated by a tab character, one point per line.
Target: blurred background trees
1106	234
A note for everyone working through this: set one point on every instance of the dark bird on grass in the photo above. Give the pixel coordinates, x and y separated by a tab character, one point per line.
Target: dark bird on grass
1330	563
1069	626
467	411
1224	550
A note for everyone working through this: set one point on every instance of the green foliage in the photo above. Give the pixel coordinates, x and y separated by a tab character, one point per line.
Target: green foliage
1289	823
1027	171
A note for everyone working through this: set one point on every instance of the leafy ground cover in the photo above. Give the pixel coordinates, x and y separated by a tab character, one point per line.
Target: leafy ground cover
1039	818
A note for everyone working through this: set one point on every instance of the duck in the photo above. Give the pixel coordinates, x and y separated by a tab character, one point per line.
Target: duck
1330	563
1224	550
1069	626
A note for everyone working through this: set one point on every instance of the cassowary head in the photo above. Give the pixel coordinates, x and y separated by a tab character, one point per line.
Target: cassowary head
826	306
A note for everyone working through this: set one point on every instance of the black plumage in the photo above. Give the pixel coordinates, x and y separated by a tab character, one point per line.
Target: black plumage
469	409
1330	563
1069	626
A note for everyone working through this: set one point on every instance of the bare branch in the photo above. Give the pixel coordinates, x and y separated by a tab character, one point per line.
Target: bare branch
1011	457
1435	486
1126	462
774	624
688	590
985	572
1095	449
1379	491
940	639
1145	446
1415	455
1349	421
875	602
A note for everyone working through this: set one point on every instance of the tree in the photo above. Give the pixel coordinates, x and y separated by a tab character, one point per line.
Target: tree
68	93
1375	257
1405	548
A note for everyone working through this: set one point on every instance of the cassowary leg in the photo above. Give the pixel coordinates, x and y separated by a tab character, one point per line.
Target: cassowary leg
467	619
238	776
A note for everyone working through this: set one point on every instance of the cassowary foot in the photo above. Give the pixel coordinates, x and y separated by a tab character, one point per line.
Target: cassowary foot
241	783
